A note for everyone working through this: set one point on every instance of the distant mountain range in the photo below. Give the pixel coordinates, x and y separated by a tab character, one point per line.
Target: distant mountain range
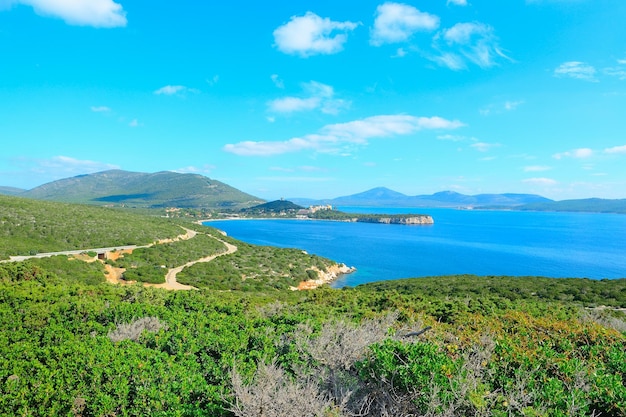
384	197
152	190
171	189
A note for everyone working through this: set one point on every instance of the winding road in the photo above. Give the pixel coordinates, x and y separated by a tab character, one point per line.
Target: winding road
170	278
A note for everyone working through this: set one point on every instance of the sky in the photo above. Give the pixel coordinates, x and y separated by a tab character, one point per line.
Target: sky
319	99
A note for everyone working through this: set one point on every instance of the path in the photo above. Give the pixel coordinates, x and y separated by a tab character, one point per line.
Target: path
187	235
113	275
170	278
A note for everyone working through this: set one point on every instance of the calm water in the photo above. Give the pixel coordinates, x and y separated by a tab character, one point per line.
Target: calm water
460	242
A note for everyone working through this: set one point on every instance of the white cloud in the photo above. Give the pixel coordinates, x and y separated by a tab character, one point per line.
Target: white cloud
135	123
540	181
318	96
97	13
170	90
618	71
100	109
483	146
536	168
204	169
457	2
397	22
616	149
576	69
333	138
453	138
474	42
512	105
312	35
579	153
213	80
277	81
500	107
66	166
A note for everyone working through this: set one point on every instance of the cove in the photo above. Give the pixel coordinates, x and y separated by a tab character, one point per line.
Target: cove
513	243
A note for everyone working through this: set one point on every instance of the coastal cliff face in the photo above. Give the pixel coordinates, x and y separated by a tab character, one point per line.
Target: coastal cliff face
325	277
397	220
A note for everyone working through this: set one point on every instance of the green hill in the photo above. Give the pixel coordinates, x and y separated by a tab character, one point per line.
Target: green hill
277	206
152	190
11	191
28	227
595	205
74	345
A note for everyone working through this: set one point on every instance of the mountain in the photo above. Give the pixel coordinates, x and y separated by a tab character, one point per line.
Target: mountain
11	191
153	190
596	205
384	197
274	207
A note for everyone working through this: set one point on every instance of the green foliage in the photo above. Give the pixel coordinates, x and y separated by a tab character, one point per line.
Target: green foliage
254	268
28	227
137	189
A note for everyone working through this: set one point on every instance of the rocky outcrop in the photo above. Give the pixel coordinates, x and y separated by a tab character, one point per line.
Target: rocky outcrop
325	277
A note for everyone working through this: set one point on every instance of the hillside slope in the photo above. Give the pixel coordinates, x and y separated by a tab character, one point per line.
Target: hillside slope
154	190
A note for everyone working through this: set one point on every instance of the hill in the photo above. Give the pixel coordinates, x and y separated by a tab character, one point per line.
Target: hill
28	227
72	344
11	191
596	205
384	197
152	190
277	206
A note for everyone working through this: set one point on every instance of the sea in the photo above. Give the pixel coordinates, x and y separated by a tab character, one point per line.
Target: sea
480	242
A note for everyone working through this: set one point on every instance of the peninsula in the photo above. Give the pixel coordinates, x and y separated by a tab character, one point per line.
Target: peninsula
287	209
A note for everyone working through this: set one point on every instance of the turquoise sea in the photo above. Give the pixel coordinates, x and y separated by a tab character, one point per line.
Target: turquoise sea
583	245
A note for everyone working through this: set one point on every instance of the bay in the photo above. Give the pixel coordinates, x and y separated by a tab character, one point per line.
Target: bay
514	243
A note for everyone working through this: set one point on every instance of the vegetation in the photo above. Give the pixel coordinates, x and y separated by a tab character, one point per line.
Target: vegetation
28	227
73	345
275	207
151	264
155	190
77	349
596	205
254	268
359	217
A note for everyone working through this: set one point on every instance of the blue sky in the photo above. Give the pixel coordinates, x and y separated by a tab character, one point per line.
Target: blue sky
319	98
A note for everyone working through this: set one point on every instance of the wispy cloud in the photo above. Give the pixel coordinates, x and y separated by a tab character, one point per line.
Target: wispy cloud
577	70
618	71
213	80
100	109
484	146
579	153
277	81
501	107
616	150
204	169
397	22
473	42
457	2
66	166
170	90
540	181
96	13
312	35
335	137
135	123
317	96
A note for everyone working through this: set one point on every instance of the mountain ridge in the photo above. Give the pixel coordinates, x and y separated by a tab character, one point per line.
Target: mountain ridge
385	197
152	190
